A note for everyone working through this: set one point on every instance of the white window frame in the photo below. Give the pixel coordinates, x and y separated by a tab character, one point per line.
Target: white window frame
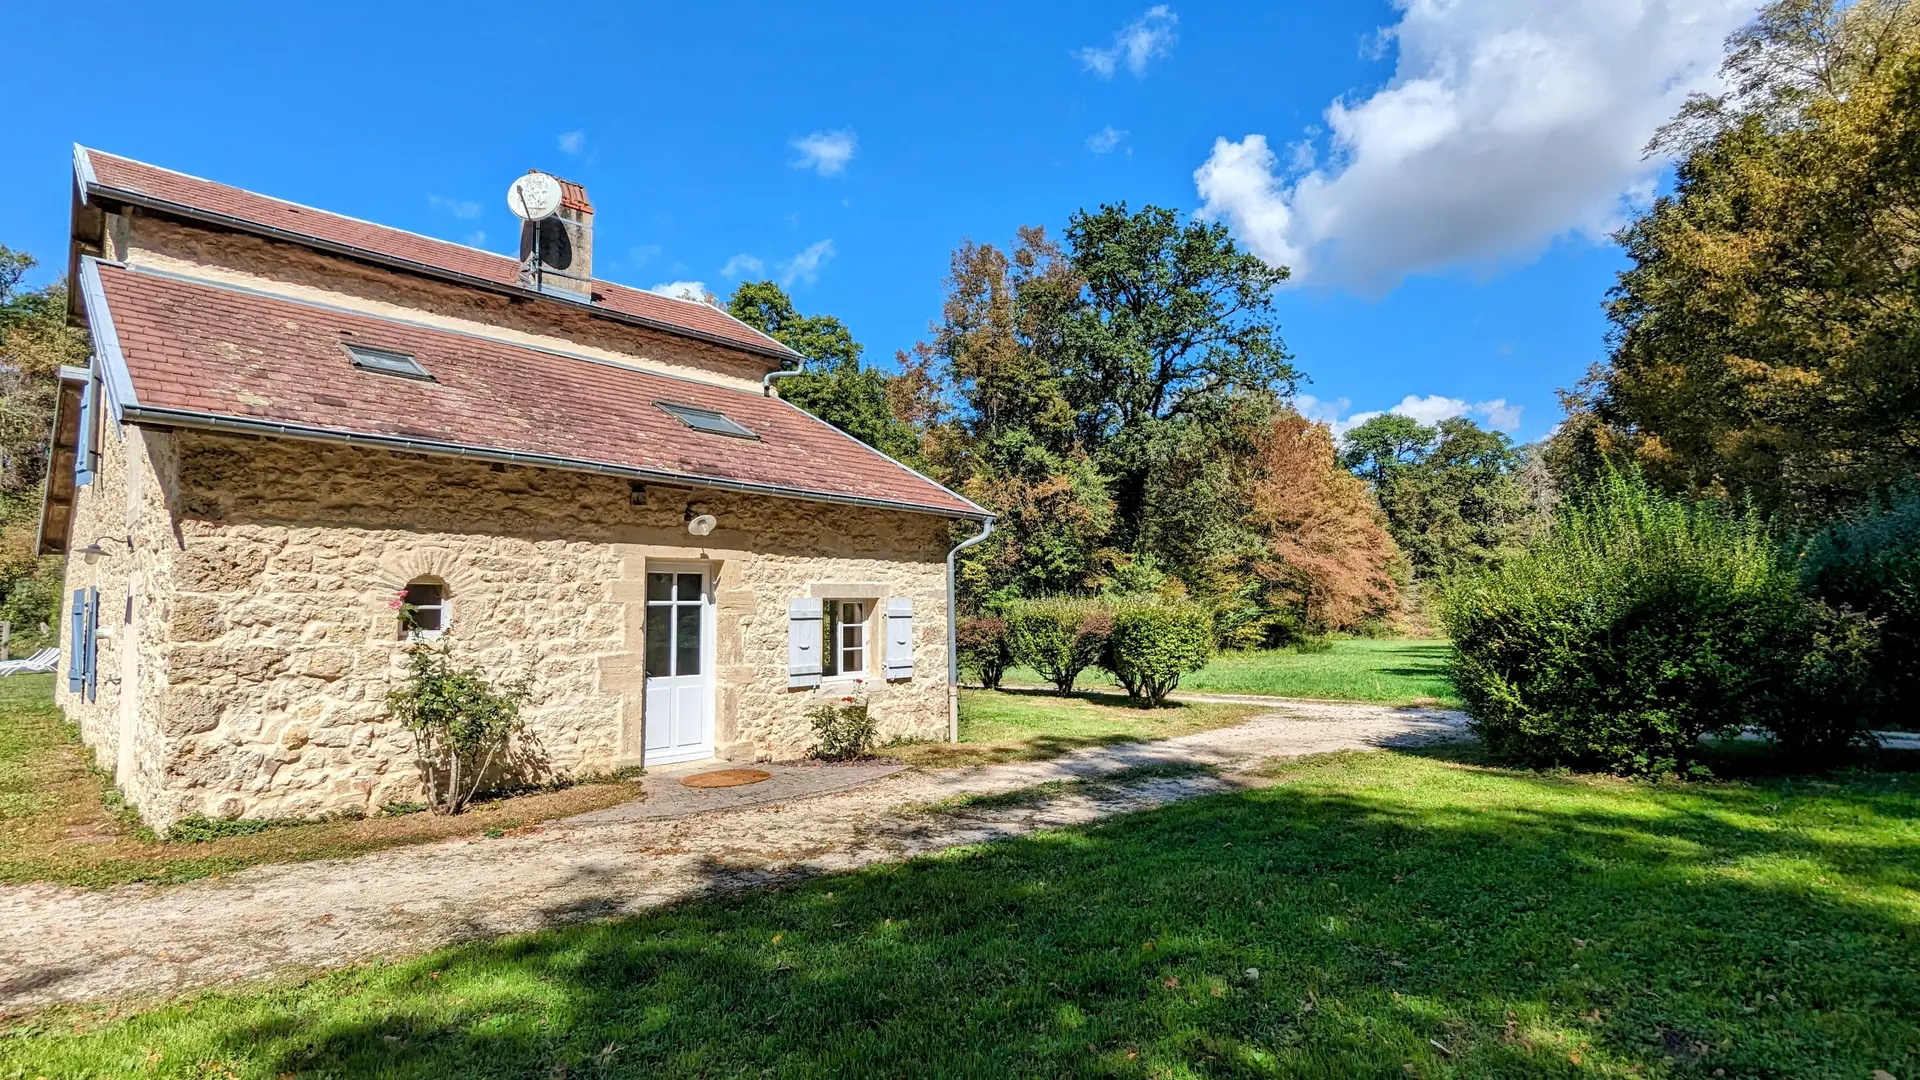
444	607
850	638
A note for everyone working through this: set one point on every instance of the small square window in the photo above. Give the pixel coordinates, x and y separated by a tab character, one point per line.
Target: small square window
387	362
707	420
423	611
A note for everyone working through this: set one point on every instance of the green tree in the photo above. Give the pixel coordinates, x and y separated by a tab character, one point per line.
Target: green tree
1375	450
1764	337
34	341
1452	493
836	387
1099	393
1167	345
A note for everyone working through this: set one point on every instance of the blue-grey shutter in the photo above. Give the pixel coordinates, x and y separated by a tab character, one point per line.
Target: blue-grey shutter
900	638
93	641
77	643
804	621
83	448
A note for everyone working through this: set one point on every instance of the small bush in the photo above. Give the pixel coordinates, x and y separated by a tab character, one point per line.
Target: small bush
846	732
1638	624
1059	637
1871	564
462	724
983	649
1154	642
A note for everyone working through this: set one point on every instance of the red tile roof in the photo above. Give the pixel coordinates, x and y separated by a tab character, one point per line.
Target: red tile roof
574	197
123	177
216	351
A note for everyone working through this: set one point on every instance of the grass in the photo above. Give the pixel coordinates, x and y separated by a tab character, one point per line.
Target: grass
61	819
1402	671
1368	915
1030	725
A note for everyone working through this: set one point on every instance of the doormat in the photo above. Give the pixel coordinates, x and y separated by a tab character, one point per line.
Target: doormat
726	778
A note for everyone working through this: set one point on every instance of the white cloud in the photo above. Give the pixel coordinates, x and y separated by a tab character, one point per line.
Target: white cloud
476	238
744	264
1149	36
1495	413
460	208
1105	140
826	152
805	267
1507	123
1321	412
683	290
572	142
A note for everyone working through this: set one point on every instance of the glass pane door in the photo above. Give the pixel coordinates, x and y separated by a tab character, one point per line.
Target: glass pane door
674	611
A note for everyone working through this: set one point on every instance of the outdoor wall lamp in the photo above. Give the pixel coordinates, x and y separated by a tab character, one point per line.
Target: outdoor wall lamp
93	551
698	523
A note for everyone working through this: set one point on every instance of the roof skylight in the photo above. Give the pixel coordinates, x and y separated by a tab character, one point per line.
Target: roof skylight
387	362
707	420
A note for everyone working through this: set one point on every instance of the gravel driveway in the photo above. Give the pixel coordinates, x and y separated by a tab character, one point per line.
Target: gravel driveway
61	944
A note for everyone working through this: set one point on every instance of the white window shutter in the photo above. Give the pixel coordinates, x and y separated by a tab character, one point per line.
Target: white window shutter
899	638
804	618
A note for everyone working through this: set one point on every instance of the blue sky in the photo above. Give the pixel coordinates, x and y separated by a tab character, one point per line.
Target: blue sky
1441	174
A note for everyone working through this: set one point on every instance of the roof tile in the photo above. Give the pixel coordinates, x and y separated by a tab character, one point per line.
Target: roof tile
113	174
211	350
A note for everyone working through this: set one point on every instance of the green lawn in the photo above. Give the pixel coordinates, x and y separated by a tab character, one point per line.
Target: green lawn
1400	671
1370	915
1028	725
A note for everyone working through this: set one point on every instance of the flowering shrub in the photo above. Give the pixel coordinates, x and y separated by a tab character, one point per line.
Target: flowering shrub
846	731
461	723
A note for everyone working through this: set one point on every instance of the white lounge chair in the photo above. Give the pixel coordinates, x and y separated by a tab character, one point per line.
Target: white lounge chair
44	660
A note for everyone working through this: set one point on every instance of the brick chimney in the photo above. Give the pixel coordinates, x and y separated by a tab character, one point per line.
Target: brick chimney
566	246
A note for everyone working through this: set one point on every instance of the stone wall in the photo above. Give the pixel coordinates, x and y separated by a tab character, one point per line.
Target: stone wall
125	511
274	641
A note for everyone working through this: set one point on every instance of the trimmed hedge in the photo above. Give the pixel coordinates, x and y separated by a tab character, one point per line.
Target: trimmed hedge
1638	624
1059	637
1154	643
984	651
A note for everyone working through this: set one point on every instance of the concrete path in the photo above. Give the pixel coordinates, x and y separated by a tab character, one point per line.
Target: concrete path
60	944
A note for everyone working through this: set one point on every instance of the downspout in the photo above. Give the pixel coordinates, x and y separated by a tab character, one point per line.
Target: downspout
953	624
766	384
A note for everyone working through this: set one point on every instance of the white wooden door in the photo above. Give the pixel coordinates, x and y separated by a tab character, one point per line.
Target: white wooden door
679	647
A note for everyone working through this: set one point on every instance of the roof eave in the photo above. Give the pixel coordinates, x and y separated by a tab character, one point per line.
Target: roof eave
91	188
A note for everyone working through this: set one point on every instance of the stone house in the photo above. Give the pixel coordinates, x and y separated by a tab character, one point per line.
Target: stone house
293	422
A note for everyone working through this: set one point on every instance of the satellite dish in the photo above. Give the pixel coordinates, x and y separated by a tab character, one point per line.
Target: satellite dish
534	196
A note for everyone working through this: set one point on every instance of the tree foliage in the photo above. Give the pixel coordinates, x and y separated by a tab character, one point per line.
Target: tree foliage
1325	560
34	341
836	388
1103	395
1765	337
1451	493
